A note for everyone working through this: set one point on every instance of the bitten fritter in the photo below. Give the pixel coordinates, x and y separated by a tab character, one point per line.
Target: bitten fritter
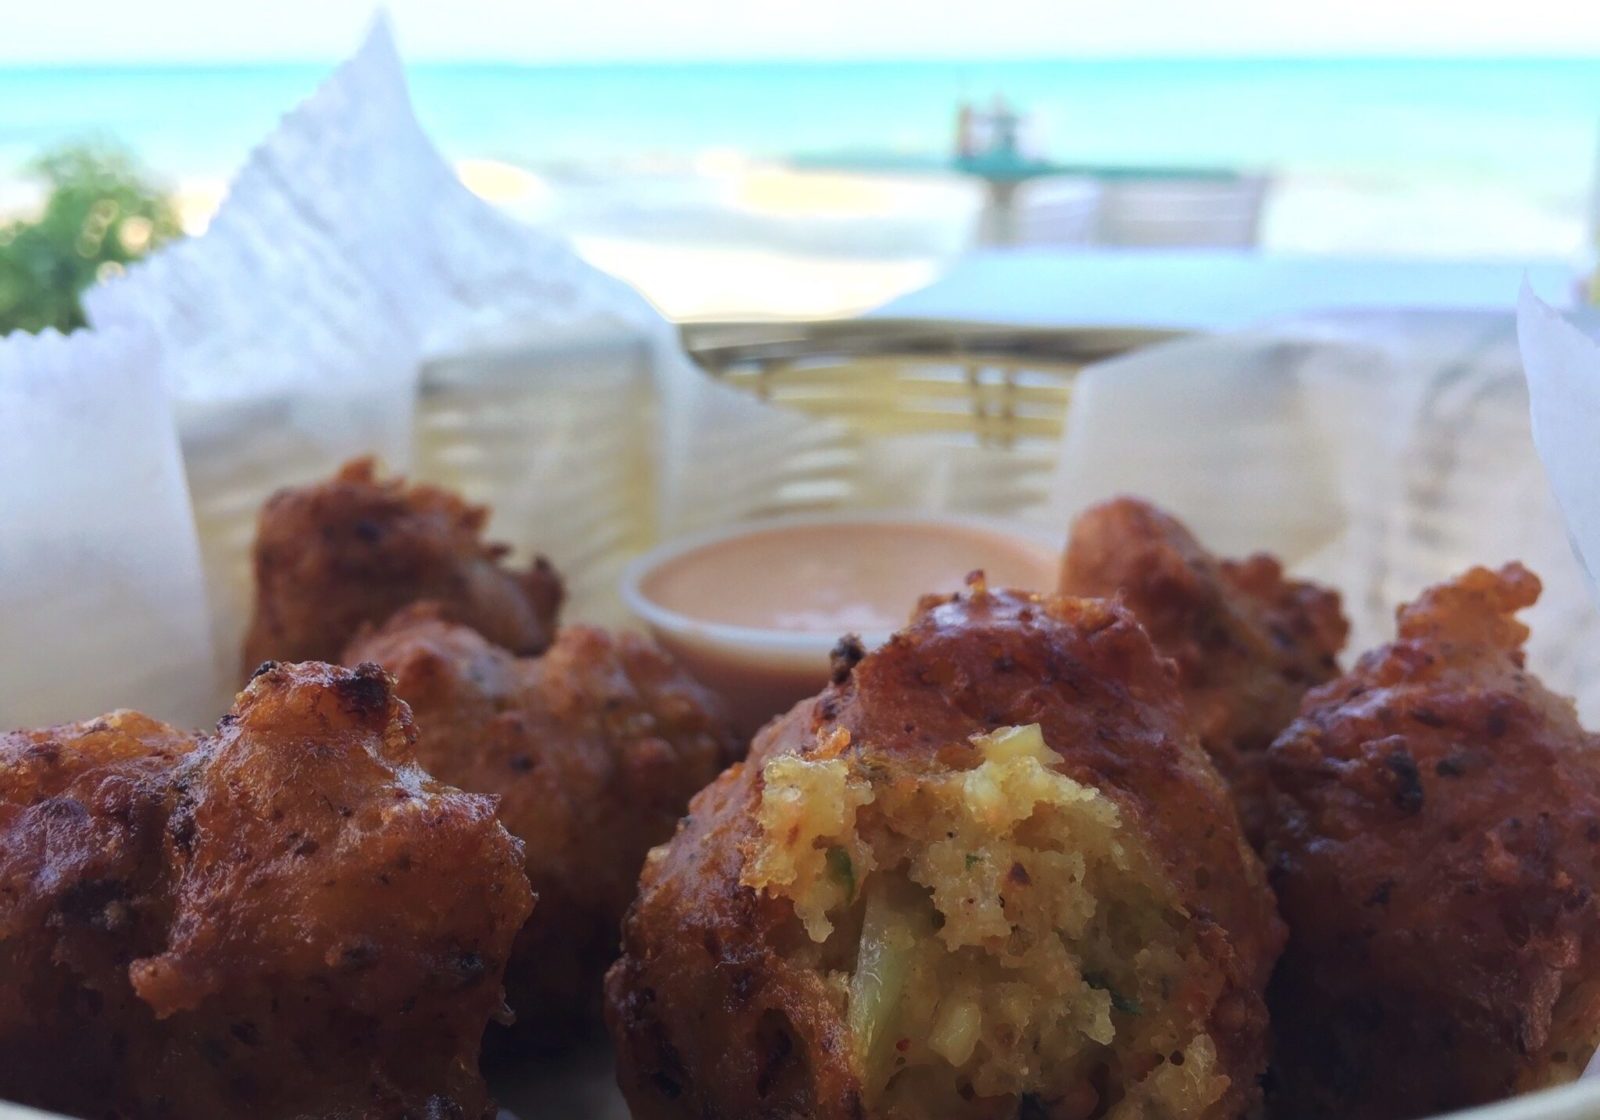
334	555
285	919
1435	844
594	750
988	874
1248	642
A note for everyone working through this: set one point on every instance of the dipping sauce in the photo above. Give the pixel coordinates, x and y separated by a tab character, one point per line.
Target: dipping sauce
836	578
754	611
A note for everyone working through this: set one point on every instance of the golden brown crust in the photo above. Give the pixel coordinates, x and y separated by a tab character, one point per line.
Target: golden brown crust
713	1007
1247	641
288	918
354	549
594	750
1436	848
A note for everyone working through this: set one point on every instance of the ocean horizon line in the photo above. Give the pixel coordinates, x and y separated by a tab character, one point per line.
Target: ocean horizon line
1376	59
1528	124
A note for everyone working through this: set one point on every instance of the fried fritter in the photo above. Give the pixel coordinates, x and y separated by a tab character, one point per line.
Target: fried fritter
990	874
1435	844
1248	642
594	750
355	549
285	919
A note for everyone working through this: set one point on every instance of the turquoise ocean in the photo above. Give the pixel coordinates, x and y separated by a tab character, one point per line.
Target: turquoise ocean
681	177
1528	123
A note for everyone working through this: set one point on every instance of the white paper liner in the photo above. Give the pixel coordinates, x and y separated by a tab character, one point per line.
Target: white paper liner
1378	453
1221	432
100	585
1563	370
345	257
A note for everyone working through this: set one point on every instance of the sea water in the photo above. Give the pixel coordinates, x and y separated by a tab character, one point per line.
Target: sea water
1411	156
1526	121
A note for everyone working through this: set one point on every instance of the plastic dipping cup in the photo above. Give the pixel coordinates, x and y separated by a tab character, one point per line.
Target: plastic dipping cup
755	610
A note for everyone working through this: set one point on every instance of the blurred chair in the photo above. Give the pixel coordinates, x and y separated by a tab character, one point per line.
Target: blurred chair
1179	213
1054	210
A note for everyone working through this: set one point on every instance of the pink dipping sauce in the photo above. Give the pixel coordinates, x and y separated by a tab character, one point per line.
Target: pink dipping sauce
754	613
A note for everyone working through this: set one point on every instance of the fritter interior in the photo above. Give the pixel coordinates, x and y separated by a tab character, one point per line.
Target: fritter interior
996	930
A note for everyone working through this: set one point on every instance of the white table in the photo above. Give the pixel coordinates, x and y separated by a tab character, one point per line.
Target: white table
1212	289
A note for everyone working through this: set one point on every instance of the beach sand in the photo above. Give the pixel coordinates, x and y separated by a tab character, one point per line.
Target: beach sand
725	236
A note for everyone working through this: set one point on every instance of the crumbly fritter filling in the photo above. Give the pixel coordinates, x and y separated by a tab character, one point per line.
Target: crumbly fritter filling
995	932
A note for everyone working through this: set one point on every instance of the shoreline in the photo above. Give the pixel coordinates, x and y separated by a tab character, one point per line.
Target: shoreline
725	235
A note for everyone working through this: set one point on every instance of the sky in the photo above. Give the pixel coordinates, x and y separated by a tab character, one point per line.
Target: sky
142	31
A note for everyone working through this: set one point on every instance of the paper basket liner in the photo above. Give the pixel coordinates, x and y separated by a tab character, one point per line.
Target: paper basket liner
347	258
100	584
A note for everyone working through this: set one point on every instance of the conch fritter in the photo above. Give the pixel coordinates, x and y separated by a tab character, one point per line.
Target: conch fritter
989	874
287	918
1247	641
354	549
594	750
1435	843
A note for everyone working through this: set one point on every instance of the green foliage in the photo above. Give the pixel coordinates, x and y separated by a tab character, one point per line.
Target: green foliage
101	212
